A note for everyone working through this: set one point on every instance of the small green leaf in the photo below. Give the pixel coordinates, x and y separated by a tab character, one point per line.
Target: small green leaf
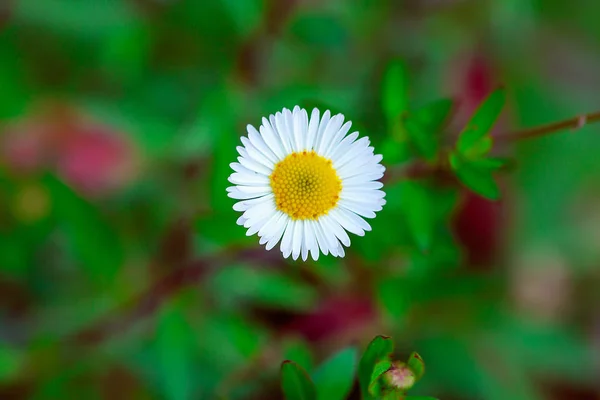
380	368
424	125
417	207
299	350
334	378
476	175
417	365
296	383
379	349
480	125
394	97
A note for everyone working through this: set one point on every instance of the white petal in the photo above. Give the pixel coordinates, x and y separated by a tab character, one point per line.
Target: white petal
359	165
297	239
297	129
237	167
320	238
253	165
287	241
347	223
246	204
355	150
289	123
344	146
257	155
332	128
252	179
307	239
322	125
337	138
237	193
361	194
260	210
371	185
270	227
259	143
357	208
371	176
283	132
330	239
272	139
280	229
336	229
313	127
311	240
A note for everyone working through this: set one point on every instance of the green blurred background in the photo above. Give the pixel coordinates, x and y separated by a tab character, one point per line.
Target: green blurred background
124	276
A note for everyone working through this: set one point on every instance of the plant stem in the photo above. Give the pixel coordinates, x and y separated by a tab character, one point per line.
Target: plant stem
572	123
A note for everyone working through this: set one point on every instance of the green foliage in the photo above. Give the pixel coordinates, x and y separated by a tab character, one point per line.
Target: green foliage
238	284
394	95
333	379
417	206
476	175
320	30
11	363
174	342
91	236
296	383
416	364
377	374
380	349
469	160
121	292
424	126
479	126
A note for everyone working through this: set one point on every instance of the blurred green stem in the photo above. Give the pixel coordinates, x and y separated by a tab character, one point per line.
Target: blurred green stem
572	123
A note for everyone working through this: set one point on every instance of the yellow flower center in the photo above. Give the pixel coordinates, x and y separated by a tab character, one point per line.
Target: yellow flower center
305	185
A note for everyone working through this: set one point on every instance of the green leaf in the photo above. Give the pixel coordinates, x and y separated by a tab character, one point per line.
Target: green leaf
299	350
83	19
418	211
269	288
476	175
480	125
417	365
380	368
424	125
11	363
379	349
246	14
319	30
333	379
94	241
394	295
296	383
394	96
174	341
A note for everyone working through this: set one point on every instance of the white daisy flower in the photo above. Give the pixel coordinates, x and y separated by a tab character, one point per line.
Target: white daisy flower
305	182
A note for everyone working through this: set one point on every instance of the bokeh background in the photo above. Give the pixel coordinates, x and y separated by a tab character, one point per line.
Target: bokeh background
124	276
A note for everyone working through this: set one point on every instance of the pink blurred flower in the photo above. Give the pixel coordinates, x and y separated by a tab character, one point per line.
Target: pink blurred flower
93	158
96	161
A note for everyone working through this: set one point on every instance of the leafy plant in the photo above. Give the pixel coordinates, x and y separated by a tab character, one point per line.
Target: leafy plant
379	375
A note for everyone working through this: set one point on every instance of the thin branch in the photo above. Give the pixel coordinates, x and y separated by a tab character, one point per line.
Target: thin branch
543	130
